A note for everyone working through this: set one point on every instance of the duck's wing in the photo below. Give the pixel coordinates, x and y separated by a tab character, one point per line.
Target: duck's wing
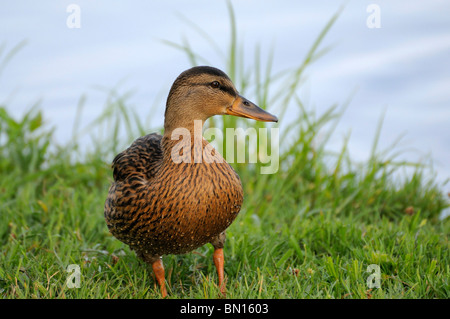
141	160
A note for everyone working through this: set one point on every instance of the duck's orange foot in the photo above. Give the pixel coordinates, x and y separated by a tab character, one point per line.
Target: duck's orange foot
219	262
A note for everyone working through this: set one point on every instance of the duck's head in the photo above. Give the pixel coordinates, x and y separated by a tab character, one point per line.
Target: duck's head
202	92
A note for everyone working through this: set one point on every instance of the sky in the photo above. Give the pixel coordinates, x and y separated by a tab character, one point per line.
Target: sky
399	71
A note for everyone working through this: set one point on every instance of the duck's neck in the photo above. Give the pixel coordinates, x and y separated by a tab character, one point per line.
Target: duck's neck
183	117
173	129
186	144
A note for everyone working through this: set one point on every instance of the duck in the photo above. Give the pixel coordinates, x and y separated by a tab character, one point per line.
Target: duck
165	201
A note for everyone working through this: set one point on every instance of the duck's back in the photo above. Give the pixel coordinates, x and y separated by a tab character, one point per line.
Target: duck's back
132	169
142	159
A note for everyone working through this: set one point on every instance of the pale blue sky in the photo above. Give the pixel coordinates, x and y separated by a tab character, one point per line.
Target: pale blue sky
402	68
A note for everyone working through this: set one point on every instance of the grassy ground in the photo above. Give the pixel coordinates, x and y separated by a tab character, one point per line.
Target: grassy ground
309	231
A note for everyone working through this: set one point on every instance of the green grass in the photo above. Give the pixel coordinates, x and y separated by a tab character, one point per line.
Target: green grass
308	231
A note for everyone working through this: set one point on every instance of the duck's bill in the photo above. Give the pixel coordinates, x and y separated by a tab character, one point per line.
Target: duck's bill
244	108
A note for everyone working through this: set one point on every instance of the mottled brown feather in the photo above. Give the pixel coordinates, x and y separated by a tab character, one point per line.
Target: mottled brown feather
159	207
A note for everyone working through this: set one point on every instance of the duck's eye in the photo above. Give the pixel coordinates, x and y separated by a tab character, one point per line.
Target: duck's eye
215	84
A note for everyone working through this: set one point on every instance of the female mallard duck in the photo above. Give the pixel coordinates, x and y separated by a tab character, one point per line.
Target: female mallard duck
158	205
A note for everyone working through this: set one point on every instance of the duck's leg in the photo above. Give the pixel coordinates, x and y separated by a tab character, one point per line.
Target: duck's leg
218	258
219	262
158	269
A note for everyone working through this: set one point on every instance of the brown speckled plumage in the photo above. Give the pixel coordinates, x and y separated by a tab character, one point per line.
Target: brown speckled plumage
160	207
170	208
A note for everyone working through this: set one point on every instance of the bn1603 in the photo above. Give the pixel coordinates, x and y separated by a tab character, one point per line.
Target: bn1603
246	308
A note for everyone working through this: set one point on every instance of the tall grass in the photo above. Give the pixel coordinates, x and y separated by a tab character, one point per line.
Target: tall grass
308	231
